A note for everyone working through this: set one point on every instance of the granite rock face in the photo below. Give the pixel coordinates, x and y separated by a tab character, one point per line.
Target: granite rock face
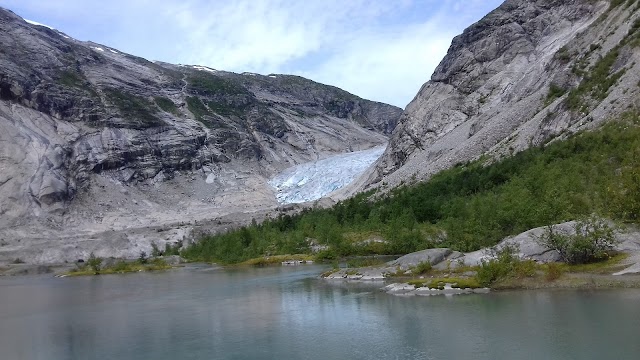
86	130
505	83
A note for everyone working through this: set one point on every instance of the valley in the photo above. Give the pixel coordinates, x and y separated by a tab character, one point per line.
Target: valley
189	154
106	152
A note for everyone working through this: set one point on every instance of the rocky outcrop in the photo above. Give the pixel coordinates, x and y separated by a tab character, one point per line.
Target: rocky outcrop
432	256
95	140
525	246
528	72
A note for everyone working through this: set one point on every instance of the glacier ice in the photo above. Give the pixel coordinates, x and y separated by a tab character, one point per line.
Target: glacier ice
314	180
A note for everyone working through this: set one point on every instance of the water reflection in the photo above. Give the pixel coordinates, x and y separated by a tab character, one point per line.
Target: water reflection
289	313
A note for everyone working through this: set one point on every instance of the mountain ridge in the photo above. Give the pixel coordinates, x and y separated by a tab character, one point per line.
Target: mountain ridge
509	82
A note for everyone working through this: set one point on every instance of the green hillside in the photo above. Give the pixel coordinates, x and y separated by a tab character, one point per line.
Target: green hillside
465	208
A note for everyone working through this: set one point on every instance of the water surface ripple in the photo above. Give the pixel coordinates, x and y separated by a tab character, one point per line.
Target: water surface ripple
287	313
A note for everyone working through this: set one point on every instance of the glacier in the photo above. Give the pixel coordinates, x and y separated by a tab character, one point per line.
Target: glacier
314	180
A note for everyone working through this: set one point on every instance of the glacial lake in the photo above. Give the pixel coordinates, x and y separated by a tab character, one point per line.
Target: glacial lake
288	313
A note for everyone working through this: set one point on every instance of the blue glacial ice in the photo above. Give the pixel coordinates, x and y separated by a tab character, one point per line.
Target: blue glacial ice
314	180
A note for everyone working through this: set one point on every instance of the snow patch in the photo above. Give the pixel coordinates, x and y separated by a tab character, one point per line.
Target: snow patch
97	48
210	178
314	180
39	24
249	74
113	51
204	68
272	76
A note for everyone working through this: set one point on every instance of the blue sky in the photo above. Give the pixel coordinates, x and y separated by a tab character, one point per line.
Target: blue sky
381	50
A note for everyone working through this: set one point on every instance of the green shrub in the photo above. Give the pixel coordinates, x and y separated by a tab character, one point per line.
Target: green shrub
593	241
327	255
421	268
155	250
172	249
563	55
555	92
94	263
503	265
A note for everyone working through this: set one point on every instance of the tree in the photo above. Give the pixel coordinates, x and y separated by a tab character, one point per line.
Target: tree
94	263
155	250
143	259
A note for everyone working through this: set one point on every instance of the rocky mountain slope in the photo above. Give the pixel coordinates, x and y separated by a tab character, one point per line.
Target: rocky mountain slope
104	151
527	73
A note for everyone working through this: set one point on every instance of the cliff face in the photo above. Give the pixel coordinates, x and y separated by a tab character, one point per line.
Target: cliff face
94	141
528	72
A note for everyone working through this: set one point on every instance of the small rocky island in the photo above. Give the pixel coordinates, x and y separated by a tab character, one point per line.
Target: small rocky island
522	261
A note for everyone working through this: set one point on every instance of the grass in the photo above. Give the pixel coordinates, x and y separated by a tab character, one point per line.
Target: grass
560	275
276	259
166	105
607	266
221	96
74	79
552	272
199	110
596	83
122	267
222	108
206	84
600	78
563	55
137	111
554	92
528	274
367	261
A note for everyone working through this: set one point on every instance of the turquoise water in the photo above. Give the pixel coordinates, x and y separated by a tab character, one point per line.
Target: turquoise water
287	313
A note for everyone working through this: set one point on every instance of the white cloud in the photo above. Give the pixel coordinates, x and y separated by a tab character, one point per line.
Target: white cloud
387	67
377	49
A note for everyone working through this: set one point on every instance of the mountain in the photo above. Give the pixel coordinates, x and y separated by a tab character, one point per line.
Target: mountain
105	151
527	73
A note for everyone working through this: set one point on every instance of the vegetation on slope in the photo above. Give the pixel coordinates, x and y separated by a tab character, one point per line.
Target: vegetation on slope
465	208
596	82
138	111
166	105
205	84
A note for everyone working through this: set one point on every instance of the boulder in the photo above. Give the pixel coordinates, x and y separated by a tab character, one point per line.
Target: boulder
433	256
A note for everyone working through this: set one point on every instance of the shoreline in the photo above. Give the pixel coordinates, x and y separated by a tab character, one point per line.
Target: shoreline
399	276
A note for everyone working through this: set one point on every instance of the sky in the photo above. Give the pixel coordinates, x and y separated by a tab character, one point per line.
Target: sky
381	50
